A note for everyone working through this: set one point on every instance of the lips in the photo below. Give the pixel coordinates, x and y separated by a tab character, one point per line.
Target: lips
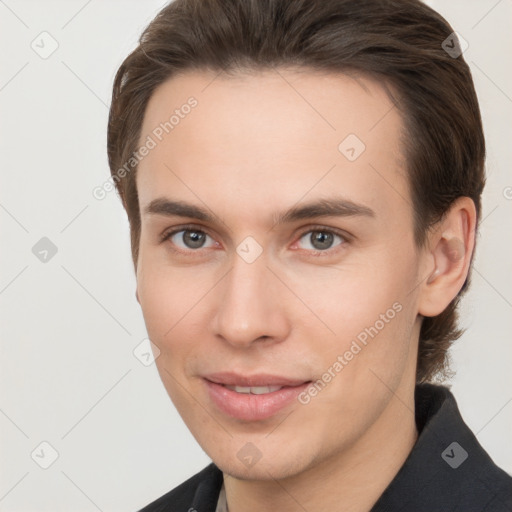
252	398
263	379
255	390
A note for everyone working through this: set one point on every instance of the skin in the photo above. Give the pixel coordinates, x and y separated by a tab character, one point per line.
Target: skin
258	144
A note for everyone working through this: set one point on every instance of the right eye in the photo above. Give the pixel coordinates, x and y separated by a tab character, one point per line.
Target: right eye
188	239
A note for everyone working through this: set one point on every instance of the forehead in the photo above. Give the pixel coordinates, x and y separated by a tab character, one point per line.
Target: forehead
262	139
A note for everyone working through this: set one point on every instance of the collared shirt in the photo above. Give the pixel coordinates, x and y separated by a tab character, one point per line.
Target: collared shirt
446	471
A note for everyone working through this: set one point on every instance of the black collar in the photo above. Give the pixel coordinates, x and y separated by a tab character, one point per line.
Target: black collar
447	469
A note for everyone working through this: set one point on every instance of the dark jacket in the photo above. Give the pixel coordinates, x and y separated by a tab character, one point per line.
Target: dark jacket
446	471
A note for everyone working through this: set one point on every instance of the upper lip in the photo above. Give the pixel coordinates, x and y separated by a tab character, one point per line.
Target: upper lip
260	379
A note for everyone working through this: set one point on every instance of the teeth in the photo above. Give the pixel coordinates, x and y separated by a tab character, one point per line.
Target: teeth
254	390
239	389
261	390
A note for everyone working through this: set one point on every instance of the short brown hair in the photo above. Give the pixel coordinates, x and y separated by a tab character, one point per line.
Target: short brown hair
400	42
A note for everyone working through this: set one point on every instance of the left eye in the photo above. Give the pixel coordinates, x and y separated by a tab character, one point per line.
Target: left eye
320	240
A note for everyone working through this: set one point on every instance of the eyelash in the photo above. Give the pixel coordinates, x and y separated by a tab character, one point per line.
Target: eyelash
316	253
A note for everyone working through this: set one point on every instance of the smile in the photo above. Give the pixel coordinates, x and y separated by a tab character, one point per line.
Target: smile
252	398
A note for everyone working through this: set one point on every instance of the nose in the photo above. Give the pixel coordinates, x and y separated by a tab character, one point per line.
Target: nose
250	307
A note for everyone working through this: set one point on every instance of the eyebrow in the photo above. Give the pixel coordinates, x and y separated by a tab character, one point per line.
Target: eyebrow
336	207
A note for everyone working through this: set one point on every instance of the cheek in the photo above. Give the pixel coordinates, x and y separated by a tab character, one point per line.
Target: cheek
166	294
163	316
370	312
159	303
349	299
173	302
166	303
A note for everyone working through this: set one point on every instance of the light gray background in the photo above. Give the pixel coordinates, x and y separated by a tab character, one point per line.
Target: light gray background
70	325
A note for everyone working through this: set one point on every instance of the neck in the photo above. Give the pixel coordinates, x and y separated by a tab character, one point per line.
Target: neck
354	478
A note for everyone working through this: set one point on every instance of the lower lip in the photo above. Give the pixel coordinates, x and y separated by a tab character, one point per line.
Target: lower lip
249	407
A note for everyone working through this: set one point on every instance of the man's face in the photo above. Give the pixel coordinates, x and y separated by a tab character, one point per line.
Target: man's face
320	307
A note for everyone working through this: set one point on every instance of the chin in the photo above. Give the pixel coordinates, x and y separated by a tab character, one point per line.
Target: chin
261	471
278	466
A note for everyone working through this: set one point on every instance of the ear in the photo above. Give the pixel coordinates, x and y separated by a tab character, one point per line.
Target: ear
450	248
137	295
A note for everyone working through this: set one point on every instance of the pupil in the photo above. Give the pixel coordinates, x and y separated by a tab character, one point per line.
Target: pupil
321	240
193	239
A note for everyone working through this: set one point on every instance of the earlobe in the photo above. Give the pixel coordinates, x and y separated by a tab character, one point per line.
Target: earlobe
451	247
137	295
